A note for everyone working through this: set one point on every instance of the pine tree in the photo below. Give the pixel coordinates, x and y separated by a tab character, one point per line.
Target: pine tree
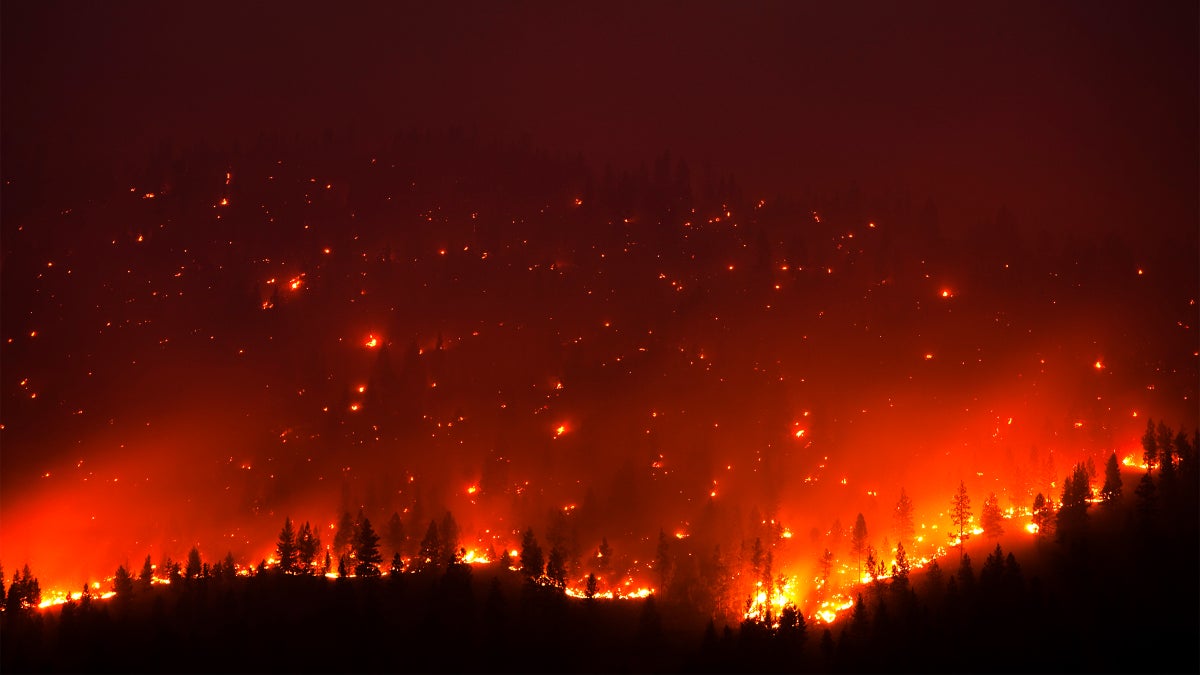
1149	446
285	549
1111	491
146	577
448	536
826	570
123	583
556	570
960	514
1072	511
991	517
366	550
307	545
662	562
344	538
589	590
858	541
1043	515
192	571
397	564
393	536
431	547
603	556
901	569
905	528
1165	442
532	564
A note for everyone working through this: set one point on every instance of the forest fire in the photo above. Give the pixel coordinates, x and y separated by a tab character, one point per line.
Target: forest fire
616	380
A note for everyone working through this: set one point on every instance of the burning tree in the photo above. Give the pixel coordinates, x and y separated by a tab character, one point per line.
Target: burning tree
960	514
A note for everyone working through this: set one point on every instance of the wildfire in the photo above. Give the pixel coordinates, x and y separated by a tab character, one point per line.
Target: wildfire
371	342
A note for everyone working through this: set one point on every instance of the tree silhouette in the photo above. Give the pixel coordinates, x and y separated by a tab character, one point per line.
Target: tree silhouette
393	536
1112	480
532	563
901	568
556	567
960	514
905	529
146	577
991	518
1165	442
307	545
194	566
1149	446
589	590
122	583
431	547
826	569
858	541
343	539
285	549
24	594
448	536
366	551
1072	511
662	561
1043	515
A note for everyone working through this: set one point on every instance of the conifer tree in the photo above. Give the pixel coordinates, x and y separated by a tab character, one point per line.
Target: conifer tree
344	538
285	548
192	571
366	551
1043	515
393	536
431	547
556	567
901	568
1112	480
858	541
1149	446
1072	511
123	583
448	536
960	514
307	545
992	518
904	517
662	561
532	563
146	577
589	590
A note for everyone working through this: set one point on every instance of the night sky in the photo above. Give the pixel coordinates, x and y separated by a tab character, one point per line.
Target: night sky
650	265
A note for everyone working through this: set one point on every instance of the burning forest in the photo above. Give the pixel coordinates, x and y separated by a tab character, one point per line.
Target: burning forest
443	382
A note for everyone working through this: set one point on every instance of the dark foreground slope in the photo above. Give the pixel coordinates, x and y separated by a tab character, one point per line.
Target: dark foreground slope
1114	593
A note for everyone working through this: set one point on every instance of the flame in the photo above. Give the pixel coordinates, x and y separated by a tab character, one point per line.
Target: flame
371	342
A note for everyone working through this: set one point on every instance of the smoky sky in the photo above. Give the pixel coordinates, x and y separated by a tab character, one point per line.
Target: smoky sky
1075	115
